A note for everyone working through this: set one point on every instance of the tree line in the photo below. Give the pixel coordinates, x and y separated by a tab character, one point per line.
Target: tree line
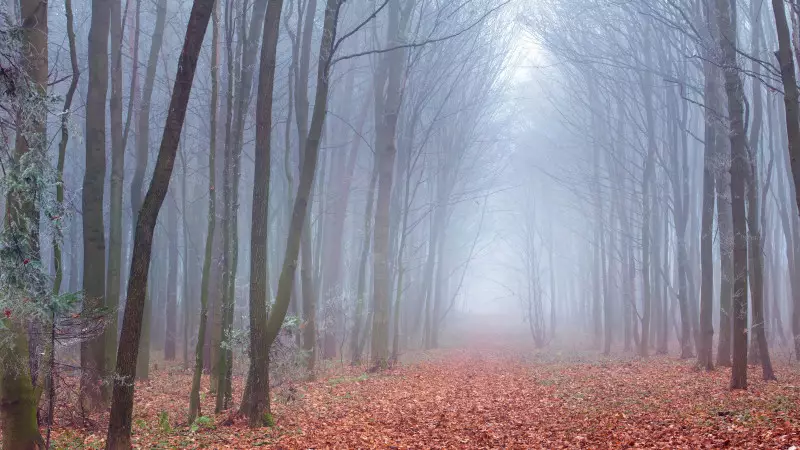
265	184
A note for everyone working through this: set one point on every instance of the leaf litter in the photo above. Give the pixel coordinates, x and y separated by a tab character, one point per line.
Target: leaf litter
481	399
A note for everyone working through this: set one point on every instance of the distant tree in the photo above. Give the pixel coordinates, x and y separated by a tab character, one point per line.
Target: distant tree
194	396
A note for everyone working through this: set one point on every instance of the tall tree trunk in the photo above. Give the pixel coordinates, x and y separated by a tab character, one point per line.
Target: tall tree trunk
233	173
19	397
309	298
387	110
194	396
94	242
142	148
171	330
756	251
726	16
57	244
300	208
680	214
705	346
256	395
119	426
355	336
117	175
790	99
649	168
188	287
725	224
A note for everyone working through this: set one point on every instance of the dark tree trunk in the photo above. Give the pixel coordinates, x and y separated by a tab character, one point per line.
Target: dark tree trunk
142	148
256	395
726	16
117	177
18	392
790	99
94	242
119	426
758	337
725	224
300	208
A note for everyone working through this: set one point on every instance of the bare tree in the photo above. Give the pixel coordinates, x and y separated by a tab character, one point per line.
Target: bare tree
119	427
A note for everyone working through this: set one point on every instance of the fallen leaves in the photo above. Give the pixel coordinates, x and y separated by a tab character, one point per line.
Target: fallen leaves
463	399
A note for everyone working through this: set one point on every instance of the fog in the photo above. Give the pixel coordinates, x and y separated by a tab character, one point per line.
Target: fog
255	189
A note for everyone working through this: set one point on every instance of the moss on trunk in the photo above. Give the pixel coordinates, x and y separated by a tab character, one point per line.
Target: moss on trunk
18	398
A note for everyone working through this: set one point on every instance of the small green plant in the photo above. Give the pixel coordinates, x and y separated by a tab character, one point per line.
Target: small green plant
201	422
140	423
163	422
268	420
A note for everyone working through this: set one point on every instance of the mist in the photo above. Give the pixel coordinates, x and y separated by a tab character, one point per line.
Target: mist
217	215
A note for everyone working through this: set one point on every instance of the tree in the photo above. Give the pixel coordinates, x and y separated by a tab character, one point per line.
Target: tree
711	150
19	255
114	268
194	396
142	148
119	426
300	208
231	190
94	244
726	14
387	110
256	394
790	100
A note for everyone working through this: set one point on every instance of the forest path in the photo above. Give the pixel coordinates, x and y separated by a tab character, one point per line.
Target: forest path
488	399
497	399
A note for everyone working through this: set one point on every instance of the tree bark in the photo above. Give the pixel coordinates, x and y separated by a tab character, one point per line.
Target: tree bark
117	177
756	251
711	152
94	243
19	397
142	148
790	99
194	396
306	181
726	16
257	399
119	427
309	297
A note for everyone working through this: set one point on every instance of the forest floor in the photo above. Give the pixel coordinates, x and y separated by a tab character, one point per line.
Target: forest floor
488	398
